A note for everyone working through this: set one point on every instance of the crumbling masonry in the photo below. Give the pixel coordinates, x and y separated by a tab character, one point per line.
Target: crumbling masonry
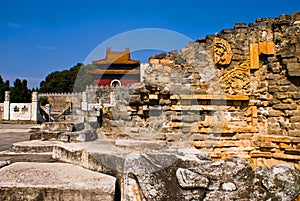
234	93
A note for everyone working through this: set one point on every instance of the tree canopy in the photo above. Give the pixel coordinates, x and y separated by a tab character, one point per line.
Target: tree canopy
74	79
4	86
19	93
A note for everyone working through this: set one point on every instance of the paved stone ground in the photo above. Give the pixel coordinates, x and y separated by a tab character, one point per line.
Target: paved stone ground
12	133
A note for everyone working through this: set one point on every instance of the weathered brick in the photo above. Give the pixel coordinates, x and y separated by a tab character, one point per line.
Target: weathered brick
282	106
275	113
286	156
293	88
274	131
281	95
294	133
296	96
294	119
273	88
293	69
293	113
283	88
267	144
273	77
295	126
259	154
284	82
284	139
292	151
285	146
167	69
199	137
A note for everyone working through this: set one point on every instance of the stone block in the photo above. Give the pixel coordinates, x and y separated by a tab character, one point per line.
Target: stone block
293	113
254	56
293	69
171	137
275	113
281	95
164	79
134	100
267	144
285	146
244	136
282	106
154	61
273	77
296	96
153	96
168	69
278	139
266	48
292	151
164	102
274	131
273	88
294	119
286	156
295	126
294	133
199	137
191	118
259	154
295	16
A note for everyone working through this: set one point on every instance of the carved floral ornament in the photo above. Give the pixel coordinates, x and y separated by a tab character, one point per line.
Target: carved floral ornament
236	80
222	52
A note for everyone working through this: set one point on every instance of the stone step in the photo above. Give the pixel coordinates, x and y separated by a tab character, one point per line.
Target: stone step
62	126
34	146
75	136
54	181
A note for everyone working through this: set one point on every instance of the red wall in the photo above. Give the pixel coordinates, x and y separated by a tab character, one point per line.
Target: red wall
106	82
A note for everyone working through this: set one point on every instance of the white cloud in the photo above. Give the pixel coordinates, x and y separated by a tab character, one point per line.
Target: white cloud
14	25
46	47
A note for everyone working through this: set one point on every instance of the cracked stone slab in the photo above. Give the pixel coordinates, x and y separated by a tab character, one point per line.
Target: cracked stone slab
46	181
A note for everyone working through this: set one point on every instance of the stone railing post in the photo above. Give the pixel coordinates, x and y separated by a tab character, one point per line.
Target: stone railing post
6	114
84	103
48	111
112	99
34	106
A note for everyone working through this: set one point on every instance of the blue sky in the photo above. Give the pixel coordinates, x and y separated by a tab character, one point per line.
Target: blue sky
39	37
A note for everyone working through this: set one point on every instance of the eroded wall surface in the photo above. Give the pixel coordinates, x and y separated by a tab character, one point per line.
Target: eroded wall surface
234	93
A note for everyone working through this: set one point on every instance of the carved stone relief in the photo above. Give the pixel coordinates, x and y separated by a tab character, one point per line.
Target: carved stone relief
236	80
222	52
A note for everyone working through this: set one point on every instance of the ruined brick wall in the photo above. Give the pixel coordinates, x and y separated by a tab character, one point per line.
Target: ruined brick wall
236	92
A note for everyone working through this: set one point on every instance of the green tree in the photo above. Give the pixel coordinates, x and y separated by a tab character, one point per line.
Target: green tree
4	86
74	79
20	92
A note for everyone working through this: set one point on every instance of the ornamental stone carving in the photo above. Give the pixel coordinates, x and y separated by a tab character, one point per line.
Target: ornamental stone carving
222	52
237	80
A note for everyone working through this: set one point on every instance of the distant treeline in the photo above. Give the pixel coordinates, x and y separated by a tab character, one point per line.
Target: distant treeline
73	80
19	92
